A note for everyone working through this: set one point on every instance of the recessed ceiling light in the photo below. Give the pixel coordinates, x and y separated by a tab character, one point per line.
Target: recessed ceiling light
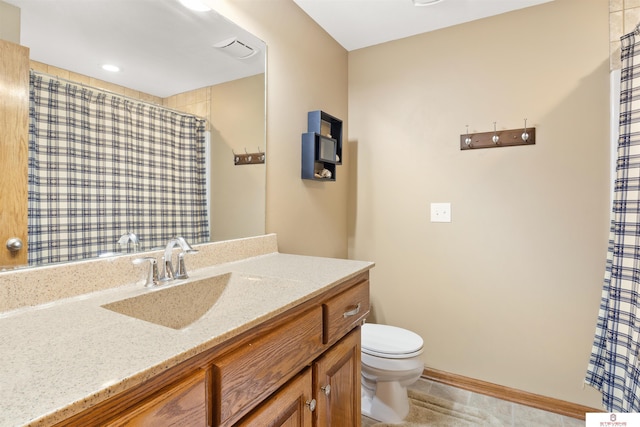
111	67
196	5
425	2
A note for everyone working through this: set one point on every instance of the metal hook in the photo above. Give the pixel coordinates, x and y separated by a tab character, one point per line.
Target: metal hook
495	138
467	140
525	135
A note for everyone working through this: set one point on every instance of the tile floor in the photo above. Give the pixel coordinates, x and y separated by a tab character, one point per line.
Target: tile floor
512	414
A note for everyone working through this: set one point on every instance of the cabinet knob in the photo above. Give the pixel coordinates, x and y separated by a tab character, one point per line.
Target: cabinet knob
326	389
14	244
311	404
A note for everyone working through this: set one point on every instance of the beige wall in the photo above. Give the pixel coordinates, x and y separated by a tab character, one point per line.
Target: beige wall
508	292
306	70
9	22
237	192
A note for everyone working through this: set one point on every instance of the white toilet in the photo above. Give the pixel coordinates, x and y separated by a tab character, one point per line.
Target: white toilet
390	363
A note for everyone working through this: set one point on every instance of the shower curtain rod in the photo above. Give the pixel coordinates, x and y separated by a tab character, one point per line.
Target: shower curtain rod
110	92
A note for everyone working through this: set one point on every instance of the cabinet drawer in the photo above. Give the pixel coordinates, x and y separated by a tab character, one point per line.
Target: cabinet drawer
249	374
183	404
344	310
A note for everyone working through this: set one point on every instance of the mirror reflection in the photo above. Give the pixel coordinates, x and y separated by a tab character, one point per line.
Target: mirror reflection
186	70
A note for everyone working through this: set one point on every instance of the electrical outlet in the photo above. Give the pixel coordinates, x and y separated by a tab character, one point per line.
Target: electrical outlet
440	212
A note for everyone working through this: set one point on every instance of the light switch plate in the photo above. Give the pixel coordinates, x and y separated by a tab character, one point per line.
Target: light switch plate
440	212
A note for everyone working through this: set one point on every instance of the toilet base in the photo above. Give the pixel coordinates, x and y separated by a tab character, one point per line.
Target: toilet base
389	404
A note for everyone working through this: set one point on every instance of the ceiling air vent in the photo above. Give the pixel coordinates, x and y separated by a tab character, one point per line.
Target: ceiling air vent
236	48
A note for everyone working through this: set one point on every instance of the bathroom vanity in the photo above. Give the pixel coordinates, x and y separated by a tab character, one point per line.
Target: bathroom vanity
271	367
280	346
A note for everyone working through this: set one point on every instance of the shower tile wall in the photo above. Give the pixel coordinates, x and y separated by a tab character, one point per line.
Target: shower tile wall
196	102
624	16
90	81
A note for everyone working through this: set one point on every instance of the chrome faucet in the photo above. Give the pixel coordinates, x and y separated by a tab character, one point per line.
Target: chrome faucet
130	237
181	272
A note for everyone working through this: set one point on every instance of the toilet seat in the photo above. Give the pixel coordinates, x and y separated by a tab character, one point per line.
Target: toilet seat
390	342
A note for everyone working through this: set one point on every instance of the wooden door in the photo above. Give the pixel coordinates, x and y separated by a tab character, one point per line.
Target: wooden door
14	131
337	383
291	406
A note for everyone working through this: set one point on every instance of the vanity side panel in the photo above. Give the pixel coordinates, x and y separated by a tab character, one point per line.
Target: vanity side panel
248	375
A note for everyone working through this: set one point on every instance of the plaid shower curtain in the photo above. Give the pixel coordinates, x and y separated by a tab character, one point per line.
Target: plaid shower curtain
613	367
101	166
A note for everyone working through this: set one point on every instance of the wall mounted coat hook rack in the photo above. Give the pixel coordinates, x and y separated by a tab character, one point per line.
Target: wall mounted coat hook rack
498	138
248	158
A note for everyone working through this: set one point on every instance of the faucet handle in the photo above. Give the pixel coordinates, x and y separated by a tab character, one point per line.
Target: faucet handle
181	272
181	269
152	277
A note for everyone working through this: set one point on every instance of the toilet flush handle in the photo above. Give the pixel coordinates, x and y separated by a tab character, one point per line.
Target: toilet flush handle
352	312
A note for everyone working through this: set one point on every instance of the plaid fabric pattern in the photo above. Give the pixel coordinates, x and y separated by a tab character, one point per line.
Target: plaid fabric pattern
613	366
101	166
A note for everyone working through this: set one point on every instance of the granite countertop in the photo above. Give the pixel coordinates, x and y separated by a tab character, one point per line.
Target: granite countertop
62	357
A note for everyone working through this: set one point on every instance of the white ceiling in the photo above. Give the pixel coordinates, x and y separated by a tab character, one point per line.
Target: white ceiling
162	48
357	24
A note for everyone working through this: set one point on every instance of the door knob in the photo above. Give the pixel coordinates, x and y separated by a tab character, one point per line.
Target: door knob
14	244
326	389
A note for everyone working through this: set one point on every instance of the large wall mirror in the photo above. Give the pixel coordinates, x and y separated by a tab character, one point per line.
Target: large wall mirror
188	60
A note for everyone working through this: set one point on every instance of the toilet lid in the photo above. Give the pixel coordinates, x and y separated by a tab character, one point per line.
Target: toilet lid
390	341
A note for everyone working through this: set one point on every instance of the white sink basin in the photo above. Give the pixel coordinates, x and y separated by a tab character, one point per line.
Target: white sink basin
176	306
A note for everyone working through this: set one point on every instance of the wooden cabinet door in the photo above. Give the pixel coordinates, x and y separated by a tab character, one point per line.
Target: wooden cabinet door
290	406
14	148
337	383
